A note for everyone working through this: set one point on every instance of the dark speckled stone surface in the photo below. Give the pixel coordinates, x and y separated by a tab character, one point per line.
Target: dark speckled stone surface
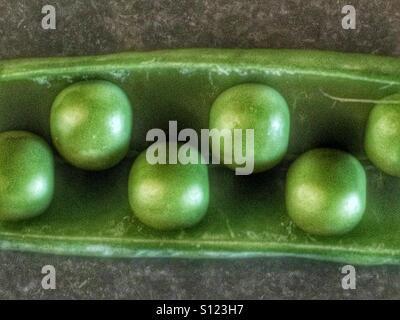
105	26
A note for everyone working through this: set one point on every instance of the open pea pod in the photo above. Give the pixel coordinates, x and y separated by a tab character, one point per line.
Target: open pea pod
90	214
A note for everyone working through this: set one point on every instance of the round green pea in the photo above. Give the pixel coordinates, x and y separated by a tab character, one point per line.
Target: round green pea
257	107
26	175
326	192
91	124
382	136
168	196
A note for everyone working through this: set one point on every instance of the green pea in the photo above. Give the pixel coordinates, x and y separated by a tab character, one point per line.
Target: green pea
326	192
91	124
258	107
382	136
168	196
26	175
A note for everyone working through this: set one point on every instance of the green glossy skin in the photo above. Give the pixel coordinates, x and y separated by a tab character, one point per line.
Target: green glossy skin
168	196
382	136
91	124
326	192
26	175
258	107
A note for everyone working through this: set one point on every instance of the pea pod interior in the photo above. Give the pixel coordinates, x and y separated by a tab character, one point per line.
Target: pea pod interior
90	214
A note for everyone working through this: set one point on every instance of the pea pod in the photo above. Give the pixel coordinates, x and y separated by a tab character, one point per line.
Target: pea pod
329	97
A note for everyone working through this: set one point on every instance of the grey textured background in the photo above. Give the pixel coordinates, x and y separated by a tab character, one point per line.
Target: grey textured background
101	26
